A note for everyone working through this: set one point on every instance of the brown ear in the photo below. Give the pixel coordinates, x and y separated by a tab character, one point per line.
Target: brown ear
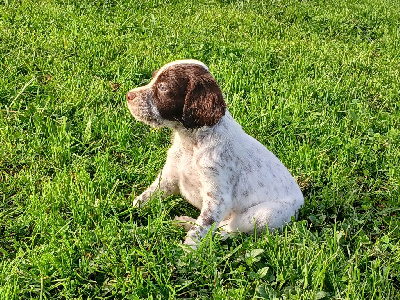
204	103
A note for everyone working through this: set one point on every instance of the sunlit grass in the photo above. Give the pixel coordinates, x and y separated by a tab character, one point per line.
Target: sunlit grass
317	82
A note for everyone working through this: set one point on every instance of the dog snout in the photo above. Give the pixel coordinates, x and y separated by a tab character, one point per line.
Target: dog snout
130	96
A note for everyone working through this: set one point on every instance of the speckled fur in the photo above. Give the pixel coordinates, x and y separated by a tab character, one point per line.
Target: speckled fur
229	176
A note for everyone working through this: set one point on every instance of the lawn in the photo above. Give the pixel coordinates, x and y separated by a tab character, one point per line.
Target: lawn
317	82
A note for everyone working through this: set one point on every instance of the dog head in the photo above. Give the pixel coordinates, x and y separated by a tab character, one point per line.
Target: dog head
181	92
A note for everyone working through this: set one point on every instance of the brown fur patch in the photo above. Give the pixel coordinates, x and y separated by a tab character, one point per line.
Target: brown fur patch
190	95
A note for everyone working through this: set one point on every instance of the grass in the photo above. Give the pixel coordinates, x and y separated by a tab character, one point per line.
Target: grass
317	82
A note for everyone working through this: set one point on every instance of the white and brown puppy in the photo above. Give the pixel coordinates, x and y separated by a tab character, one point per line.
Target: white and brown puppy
229	176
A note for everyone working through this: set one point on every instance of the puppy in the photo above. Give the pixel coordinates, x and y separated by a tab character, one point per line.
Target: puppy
228	175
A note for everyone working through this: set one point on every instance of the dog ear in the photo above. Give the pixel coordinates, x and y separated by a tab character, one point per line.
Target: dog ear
204	104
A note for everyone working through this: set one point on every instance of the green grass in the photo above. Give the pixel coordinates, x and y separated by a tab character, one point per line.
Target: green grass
317	82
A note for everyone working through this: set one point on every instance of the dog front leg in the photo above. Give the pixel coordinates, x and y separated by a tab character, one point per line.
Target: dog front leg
167	186
213	211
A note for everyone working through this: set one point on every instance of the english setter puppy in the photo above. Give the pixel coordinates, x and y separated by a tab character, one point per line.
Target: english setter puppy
228	175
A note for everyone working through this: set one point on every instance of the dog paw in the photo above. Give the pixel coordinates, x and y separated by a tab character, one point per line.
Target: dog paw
191	243
185	222
136	201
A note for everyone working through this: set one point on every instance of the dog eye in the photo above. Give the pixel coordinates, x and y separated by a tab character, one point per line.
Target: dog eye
162	87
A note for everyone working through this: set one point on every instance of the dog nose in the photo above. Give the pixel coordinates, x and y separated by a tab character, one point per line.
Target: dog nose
130	96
